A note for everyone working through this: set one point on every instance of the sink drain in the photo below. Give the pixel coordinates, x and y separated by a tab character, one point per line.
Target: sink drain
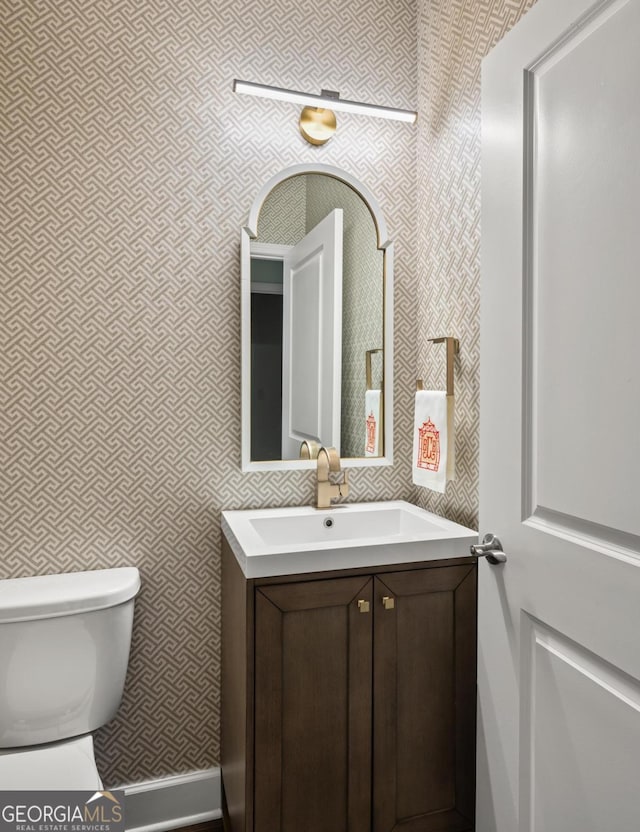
327	523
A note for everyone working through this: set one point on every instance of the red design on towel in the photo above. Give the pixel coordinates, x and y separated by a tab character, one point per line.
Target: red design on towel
371	433
428	446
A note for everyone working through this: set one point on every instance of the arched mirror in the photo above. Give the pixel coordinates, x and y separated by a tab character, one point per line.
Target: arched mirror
317	318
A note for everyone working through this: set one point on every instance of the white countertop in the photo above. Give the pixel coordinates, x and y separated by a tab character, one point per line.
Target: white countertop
302	539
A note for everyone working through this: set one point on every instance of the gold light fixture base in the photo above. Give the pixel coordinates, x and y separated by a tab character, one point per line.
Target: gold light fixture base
317	125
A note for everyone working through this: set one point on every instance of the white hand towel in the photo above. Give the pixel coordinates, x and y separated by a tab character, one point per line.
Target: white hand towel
451	440
433	440
373	409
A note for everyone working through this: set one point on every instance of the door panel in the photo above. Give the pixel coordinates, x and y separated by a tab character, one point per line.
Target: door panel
313	707
312	338
584	340
558	664
424	700
574	706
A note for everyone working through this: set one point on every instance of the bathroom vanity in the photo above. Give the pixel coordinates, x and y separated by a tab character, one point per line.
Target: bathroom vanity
349	670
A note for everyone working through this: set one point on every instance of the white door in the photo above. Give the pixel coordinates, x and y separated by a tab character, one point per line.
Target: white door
559	622
312	338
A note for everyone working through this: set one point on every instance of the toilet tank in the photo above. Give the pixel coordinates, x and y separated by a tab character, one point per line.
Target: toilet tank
64	650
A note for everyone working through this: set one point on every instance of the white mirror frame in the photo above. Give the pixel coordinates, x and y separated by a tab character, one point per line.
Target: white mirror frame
248	233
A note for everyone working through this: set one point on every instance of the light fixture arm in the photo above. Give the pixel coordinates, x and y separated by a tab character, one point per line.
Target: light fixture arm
326	100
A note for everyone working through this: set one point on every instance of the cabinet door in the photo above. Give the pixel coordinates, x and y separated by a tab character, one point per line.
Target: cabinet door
313	680
424	700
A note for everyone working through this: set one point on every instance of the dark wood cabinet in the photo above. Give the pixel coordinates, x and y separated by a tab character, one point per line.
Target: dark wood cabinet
313	665
424	694
348	700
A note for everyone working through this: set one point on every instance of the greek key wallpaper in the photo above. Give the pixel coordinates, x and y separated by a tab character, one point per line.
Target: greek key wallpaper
453	37
127	169
282	217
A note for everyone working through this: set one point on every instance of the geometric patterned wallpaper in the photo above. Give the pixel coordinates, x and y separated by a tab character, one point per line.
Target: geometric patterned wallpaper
453	37
127	167
283	214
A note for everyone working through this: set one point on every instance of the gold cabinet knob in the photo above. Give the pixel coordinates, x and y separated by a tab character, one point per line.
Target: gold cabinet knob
388	602
363	605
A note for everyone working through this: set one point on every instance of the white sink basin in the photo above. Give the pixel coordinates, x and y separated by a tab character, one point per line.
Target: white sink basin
285	541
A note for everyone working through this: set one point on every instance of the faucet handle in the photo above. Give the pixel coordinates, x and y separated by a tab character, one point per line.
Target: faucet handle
343	486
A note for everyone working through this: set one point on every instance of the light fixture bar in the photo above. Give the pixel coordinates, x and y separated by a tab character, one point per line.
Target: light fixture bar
307	99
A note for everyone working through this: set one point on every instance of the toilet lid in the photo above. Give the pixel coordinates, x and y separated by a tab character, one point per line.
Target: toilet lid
62	765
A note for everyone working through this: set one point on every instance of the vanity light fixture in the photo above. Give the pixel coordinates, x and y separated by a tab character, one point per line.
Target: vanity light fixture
317	121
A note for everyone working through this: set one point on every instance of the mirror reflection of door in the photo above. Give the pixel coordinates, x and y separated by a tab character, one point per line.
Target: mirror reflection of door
296	344
312	338
325	339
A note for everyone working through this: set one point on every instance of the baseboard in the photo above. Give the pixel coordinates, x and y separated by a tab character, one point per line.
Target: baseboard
173	802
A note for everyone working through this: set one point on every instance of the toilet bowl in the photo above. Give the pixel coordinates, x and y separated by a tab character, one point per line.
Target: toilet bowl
64	651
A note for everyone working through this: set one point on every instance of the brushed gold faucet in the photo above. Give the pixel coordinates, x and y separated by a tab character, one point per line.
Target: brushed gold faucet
326	491
309	449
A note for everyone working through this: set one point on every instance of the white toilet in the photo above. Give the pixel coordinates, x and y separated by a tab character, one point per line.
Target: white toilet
64	650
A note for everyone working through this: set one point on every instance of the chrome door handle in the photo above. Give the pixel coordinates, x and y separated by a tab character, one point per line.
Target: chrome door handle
490	548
